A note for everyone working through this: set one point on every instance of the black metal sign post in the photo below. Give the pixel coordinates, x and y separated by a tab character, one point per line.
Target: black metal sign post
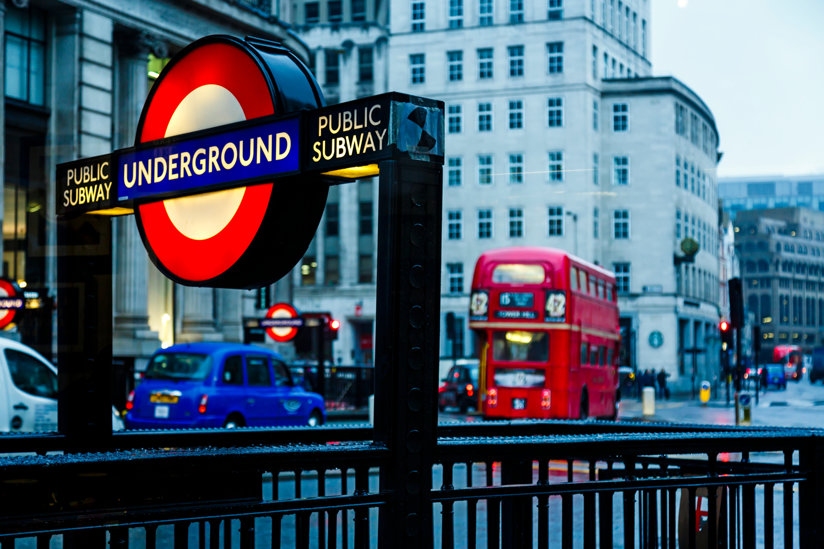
406	344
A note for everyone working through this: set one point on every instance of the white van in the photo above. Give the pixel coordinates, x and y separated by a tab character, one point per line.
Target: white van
28	390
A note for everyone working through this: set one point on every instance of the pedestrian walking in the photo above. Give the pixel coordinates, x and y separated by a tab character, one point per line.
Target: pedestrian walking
663	391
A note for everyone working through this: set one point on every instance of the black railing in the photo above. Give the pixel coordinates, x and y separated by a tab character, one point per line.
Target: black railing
538	486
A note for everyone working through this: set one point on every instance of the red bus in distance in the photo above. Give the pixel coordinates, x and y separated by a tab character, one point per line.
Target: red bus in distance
547	323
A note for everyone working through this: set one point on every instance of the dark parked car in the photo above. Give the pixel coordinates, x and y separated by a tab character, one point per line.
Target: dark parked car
774	376
817	365
459	389
219	385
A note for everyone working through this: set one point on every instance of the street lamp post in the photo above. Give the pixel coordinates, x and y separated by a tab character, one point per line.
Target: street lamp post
574	217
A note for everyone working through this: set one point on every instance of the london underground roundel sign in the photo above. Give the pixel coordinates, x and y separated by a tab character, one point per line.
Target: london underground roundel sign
282	311
242	237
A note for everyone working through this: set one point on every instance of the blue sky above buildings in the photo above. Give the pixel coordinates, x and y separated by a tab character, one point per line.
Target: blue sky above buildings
758	65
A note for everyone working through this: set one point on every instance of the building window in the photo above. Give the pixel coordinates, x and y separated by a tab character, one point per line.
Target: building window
516	114
620	224
366	72
308	271
555	112
678	224
595	62
417	68
484	224
455	277
454	171
694	129
555	57
621	271
516	222
485	169
311	12
555	10
485	63
620	170
680	120
484	117
454	119
455	14
365	217
555	215
596	160
677	171
454	60
331	270
516	168
332	219
485	14
453	225
556	167
620	117
516	11
595	115
364	268
335	11
358	10
418	15
516	61
596	222
332	70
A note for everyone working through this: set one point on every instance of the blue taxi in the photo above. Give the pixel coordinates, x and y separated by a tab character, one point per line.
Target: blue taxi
194	385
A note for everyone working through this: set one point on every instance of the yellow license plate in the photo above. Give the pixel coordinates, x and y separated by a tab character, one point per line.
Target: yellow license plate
161	398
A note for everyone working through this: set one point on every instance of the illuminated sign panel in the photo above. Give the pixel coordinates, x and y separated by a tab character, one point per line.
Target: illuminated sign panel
86	185
232	157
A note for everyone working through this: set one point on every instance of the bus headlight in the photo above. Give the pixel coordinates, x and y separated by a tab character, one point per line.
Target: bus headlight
545	399
492	397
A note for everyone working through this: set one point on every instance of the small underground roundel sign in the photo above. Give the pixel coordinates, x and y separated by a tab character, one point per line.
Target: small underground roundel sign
282	322
9	303
241	236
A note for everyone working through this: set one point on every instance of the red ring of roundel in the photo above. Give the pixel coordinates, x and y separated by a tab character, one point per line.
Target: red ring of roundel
8	315
228	66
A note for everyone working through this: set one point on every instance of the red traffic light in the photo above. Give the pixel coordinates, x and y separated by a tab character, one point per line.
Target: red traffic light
334	324
724	325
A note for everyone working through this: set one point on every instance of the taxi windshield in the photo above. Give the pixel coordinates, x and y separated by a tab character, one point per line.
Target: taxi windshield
179	366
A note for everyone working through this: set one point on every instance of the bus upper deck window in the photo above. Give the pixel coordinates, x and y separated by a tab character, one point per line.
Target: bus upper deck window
518	273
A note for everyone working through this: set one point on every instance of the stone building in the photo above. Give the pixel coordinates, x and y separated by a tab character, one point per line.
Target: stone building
781	252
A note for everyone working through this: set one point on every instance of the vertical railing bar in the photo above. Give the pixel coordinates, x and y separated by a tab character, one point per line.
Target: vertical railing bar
201	534
471	511
302	520
590	521
247	533
214	535
788	501
44	539
543	505
605	519
181	533
712	515
691	502
748	515
344	489
629	506
362	514
493	514
662	512
298	483
227	533
151	535
447	508
769	535
570	465
332	533
323	516
566	520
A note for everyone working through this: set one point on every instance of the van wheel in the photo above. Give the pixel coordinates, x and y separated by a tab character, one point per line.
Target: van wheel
315	419
584	410
233	422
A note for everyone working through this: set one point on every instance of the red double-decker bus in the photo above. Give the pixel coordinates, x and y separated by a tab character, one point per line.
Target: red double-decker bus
547	322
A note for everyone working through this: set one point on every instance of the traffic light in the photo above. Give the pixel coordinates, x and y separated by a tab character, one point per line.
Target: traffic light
736	303
331	328
726	335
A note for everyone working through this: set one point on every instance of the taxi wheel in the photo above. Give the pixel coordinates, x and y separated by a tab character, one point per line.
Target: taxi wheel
315	419
233	422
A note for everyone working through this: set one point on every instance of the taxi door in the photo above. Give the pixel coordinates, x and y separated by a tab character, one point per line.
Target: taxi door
30	396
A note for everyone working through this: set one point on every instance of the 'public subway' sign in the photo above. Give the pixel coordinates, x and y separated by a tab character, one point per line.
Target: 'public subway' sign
229	174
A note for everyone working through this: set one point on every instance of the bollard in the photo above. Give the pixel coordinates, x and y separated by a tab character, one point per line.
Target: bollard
648	401
372	409
745	403
704	394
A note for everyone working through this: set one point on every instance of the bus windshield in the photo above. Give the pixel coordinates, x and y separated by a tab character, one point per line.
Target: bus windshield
518	273
520	346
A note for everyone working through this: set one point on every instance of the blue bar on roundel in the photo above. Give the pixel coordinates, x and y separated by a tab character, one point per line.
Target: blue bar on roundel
246	154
